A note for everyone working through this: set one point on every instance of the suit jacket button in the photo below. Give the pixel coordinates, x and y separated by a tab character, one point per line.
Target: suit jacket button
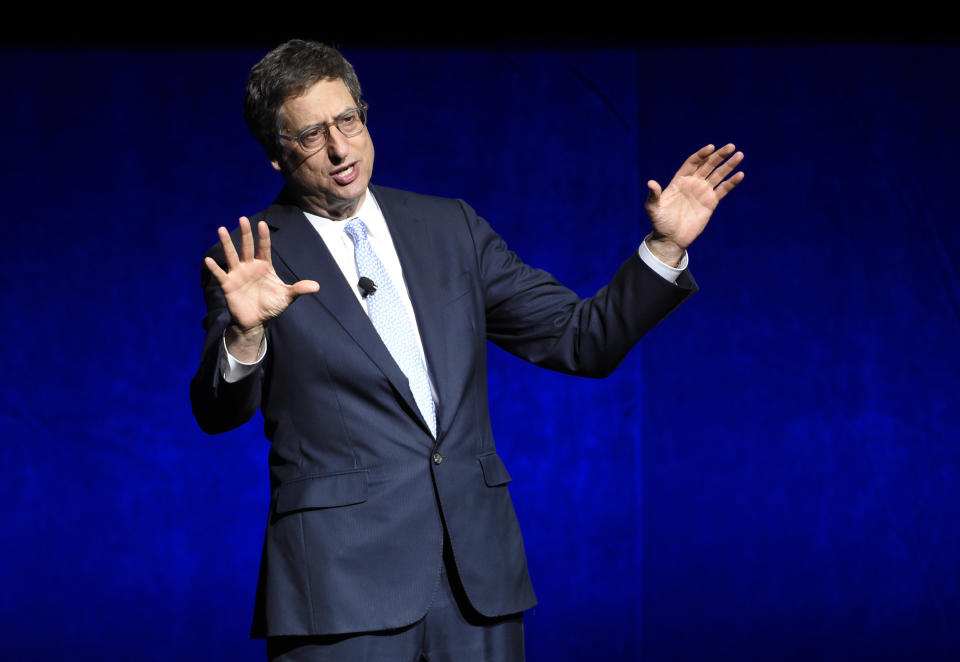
437	458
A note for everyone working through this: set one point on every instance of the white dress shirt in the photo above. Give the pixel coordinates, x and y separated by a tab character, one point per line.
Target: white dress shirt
341	247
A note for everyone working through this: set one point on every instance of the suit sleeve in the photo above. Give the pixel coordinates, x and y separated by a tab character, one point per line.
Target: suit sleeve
217	404
531	315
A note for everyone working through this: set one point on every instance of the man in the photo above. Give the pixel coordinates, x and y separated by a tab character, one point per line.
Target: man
356	318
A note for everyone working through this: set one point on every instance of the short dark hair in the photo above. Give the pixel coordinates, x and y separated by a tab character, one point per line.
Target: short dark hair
287	71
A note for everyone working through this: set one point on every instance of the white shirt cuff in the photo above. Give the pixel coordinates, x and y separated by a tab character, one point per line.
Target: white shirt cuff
662	269
234	370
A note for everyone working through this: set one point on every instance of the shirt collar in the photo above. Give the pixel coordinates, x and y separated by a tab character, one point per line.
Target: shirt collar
369	212
372	217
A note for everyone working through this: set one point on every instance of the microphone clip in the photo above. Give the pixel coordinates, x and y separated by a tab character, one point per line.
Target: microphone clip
367	286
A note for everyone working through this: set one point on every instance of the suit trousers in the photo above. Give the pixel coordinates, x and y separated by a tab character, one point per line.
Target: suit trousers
451	631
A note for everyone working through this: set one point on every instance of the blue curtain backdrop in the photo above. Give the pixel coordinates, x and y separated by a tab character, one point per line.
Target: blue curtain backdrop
774	473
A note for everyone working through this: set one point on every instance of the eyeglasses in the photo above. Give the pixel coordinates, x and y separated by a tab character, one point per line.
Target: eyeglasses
315	137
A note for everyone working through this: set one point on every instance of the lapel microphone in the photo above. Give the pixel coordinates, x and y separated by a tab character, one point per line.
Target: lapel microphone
367	286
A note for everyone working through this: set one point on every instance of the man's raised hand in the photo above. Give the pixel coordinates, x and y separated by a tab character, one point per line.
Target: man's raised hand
680	212
254	292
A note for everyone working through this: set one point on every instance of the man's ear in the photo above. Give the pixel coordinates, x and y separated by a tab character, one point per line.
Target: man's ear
276	166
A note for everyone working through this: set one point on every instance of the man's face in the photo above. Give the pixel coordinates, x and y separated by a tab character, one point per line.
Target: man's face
333	180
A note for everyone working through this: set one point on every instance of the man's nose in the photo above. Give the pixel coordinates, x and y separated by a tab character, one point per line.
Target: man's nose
337	145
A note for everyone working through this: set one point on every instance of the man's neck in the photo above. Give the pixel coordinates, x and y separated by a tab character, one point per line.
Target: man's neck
339	210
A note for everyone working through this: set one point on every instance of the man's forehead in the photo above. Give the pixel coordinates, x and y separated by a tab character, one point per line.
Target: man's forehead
321	101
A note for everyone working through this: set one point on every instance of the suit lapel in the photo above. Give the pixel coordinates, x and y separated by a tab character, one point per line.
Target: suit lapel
300	248
419	260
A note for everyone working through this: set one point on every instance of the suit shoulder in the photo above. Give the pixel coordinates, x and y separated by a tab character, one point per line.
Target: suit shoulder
276	215
418	202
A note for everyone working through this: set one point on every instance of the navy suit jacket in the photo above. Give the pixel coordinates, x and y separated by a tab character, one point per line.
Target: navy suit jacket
360	490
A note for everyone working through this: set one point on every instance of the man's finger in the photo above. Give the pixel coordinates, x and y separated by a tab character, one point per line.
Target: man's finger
229	250
694	161
263	248
246	239
305	287
715	160
728	185
215	269
655	191
725	169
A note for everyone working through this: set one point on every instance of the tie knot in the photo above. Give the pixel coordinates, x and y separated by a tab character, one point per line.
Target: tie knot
356	229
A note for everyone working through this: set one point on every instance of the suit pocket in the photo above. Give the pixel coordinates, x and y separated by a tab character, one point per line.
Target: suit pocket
323	491
494	471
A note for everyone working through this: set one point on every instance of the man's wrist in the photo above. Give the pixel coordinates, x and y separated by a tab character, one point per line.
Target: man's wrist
665	250
244	345
232	368
662	269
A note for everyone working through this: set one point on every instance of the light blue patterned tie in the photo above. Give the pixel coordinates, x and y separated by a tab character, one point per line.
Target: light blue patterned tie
391	321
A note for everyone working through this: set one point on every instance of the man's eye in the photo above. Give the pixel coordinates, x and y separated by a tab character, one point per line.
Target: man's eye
348	119
312	134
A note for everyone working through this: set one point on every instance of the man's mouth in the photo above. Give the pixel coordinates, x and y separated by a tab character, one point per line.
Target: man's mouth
346	175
